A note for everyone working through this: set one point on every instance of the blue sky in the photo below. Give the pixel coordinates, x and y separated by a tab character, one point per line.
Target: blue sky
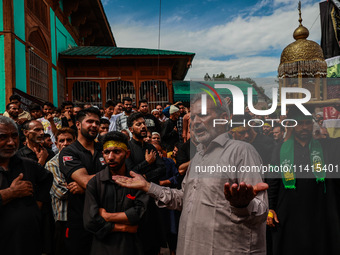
234	37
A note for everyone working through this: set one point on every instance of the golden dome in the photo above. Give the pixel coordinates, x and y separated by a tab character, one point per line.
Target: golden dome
302	56
302	50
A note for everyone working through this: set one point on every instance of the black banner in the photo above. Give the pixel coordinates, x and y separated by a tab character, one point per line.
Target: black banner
330	28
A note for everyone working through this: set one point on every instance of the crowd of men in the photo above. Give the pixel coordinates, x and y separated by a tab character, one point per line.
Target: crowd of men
81	179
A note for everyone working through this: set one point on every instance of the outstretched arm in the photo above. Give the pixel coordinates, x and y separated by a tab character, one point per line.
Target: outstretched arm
164	196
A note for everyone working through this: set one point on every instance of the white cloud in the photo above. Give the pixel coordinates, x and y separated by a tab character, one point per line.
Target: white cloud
244	38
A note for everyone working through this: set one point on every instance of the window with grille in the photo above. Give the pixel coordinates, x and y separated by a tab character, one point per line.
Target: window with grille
117	90
86	92
38	77
156	92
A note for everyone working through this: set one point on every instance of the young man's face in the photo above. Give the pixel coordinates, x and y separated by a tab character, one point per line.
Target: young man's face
48	142
114	157
47	110
119	108
69	108
304	130
147	139
127	106
109	111
144	108
103	129
64	140
13	111
139	129
181	109
89	126
76	110
160	109
35	114
16	101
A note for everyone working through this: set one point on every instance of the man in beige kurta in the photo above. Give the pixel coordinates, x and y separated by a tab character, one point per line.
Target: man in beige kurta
210	223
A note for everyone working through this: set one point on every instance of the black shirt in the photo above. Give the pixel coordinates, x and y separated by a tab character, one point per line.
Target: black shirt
169	135
71	159
26	152
264	145
103	192
309	214
137	163
20	219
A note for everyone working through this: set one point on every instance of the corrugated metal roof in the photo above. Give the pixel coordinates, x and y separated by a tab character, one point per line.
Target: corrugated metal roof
117	51
183	90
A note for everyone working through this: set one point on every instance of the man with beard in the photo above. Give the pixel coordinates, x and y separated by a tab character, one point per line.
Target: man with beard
304	198
151	121
222	212
79	162
112	213
24	187
34	149
144	160
22	115
121	122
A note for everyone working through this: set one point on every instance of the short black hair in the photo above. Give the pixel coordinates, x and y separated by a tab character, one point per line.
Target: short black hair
82	113
129	99
143	101
282	129
110	103
8	106
115	136
134	116
66	103
15	97
34	107
49	104
46	135
104	121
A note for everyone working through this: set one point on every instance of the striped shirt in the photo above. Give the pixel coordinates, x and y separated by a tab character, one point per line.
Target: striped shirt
58	190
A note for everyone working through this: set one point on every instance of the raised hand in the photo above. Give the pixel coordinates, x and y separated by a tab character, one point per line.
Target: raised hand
241	195
41	155
136	182
150	157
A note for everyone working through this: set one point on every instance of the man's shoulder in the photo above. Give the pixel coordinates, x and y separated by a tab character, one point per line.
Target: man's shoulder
53	161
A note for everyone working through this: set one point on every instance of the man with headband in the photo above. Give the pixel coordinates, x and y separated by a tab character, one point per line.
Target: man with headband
304	196
223	212
112	213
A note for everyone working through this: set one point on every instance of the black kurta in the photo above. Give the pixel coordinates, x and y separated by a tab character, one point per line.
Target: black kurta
309	216
20	219
102	192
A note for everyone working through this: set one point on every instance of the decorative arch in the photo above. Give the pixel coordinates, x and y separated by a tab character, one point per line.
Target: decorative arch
37	39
